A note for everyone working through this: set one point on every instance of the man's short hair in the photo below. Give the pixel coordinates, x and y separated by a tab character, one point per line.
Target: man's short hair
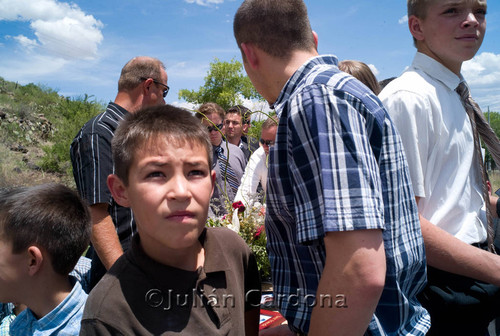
50	216
270	122
241	110
207	109
147	126
276	27
137	68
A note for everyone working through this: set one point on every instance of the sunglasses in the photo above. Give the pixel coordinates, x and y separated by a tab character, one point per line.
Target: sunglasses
214	128
165	91
268	143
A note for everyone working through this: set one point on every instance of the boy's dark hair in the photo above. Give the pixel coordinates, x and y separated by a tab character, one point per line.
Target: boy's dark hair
241	110
50	216
159	123
276	27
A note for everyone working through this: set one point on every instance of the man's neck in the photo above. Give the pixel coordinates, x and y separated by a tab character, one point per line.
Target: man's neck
235	141
128	101
278	72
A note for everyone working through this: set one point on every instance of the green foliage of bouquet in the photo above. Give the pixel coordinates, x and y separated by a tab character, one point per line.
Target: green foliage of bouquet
249	223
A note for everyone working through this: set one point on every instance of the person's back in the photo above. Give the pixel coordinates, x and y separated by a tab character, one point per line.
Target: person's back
344	240
405	257
43	231
178	276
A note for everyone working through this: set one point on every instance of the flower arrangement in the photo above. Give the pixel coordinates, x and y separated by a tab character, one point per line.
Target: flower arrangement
248	222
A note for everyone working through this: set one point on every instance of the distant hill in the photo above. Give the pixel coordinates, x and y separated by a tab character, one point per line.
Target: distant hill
37	126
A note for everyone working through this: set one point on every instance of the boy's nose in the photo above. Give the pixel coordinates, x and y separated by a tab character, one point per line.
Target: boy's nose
471	20
178	189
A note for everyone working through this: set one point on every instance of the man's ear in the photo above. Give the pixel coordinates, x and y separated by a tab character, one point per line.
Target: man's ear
251	56
118	190
315	36
415	26
35	259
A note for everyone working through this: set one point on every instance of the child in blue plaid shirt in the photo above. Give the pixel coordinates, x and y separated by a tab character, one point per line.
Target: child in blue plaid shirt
43	232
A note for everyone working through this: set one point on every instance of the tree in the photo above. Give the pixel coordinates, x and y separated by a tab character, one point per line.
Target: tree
494	120
224	84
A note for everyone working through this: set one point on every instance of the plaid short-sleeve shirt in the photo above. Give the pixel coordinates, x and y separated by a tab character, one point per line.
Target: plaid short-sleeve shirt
338	165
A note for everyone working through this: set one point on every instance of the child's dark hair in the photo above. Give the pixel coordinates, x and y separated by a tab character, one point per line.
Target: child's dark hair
165	122
50	216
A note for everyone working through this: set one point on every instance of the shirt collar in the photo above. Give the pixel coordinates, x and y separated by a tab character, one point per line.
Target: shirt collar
436	70
59	316
297	77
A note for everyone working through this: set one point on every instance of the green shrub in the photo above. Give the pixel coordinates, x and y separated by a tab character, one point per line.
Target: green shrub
73	114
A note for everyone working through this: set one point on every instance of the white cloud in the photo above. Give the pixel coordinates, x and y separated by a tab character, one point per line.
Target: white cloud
25	42
403	20
185	105
62	29
187	70
483	76
373	69
25	72
482	70
205	2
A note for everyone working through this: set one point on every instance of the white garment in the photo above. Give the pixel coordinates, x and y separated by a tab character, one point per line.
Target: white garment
255	172
439	146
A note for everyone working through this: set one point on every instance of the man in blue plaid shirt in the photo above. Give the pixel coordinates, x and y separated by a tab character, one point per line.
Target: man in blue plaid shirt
344	237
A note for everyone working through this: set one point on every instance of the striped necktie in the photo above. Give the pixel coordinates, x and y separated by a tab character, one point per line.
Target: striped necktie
227	172
480	127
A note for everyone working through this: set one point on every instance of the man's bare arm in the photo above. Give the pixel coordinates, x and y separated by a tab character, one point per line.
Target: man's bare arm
354	277
104	237
450	254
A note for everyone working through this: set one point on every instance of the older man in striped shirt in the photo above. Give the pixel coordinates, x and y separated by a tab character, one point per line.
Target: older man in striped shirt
142	83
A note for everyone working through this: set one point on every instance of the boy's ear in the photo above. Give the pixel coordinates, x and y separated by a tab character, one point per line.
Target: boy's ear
118	190
35	259
213	182
415	26
250	54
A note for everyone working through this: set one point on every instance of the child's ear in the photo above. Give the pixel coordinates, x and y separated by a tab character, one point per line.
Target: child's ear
118	190
35	260
213	182
415	26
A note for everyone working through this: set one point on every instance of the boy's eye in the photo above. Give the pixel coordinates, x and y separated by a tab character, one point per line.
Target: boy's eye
451	10
197	172
481	11
155	174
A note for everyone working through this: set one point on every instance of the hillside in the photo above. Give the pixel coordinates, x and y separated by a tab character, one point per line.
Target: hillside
36	129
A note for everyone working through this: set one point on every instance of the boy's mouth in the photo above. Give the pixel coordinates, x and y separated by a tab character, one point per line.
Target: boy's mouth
468	37
180	215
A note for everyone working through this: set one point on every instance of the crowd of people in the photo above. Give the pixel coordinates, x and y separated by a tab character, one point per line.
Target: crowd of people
378	216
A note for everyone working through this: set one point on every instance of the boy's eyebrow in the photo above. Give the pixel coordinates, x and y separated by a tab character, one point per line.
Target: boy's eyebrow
454	3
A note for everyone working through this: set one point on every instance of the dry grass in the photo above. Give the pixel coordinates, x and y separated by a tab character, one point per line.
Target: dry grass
14	171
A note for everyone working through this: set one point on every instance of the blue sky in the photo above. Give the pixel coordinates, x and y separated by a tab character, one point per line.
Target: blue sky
79	47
